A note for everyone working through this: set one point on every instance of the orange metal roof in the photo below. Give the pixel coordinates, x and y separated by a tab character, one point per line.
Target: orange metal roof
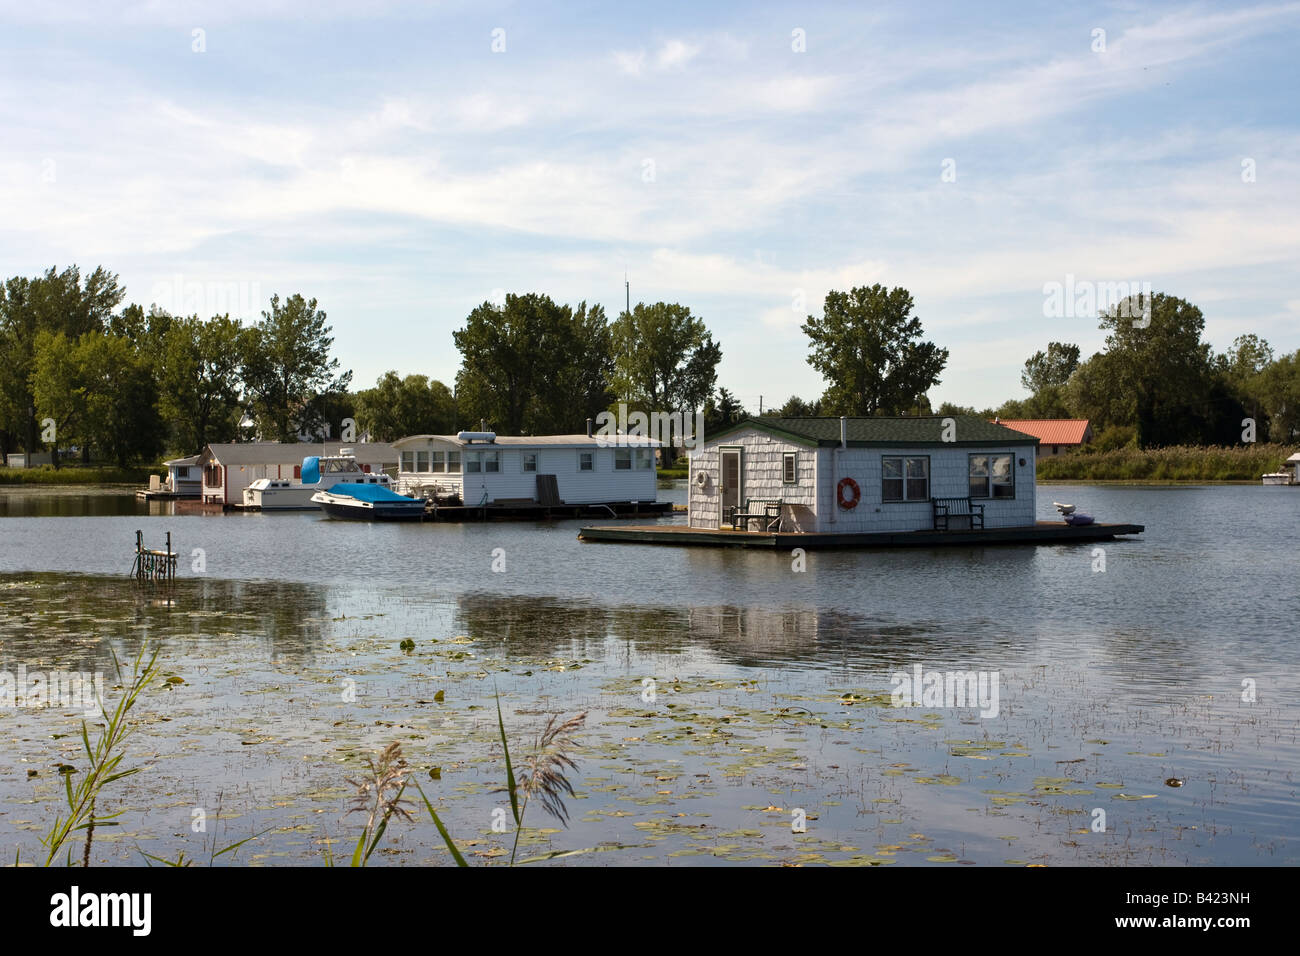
1050	431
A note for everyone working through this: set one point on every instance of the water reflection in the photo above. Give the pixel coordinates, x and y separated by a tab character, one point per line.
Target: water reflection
79	620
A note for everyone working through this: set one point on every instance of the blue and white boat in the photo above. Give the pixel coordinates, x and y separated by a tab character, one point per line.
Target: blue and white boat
368	503
318	474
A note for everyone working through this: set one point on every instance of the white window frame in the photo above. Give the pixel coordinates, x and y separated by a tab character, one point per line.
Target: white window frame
989	483
587	454
904	459
524	460
623	459
790	466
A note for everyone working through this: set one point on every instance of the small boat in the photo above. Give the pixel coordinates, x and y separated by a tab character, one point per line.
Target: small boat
1284	477
284	494
368	503
1072	515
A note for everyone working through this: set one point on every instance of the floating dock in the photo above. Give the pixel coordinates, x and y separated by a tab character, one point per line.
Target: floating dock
1044	532
525	511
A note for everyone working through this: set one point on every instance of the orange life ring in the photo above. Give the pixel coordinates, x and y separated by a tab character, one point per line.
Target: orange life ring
848	504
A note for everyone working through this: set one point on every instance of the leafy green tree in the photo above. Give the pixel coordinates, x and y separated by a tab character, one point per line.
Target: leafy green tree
413	405
100	391
868	347
286	368
1243	367
1279	391
1167	370
53	302
532	366
796	407
1051	368
723	413
198	379
665	360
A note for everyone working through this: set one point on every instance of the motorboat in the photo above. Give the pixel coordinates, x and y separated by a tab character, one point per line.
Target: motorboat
318	473
368	502
1284	477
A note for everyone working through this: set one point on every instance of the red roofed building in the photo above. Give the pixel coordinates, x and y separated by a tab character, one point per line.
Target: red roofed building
1055	435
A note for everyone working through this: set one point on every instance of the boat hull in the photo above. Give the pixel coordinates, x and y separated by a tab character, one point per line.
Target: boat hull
354	509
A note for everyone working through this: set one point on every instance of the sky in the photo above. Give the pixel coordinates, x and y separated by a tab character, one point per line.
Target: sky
405	162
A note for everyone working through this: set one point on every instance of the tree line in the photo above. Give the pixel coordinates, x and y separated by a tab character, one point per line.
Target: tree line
130	384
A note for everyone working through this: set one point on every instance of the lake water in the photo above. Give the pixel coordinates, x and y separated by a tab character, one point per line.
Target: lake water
1146	713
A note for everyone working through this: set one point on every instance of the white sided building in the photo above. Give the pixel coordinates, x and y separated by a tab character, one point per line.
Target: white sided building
482	468
862	475
228	469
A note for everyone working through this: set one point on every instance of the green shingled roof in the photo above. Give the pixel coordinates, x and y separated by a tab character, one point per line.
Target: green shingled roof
911	430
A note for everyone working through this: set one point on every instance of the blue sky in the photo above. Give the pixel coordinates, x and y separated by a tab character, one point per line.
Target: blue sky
383	158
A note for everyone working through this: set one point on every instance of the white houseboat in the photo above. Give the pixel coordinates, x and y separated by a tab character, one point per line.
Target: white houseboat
864	476
482	469
317	473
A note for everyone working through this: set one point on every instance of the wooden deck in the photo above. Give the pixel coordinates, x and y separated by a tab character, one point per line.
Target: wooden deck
1044	532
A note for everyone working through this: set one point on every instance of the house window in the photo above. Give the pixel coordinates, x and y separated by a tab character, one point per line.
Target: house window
622	459
421	461
645	459
491	461
788	467
439	461
905	479
473	463
992	476
586	461
408	461
453	463
530	461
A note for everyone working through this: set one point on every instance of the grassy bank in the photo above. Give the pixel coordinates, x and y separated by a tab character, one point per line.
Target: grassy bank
674	473
1175	463
77	475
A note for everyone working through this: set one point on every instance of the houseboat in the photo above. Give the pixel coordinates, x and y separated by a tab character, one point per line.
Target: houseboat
481	473
227	469
1284	477
863	482
317	473
184	480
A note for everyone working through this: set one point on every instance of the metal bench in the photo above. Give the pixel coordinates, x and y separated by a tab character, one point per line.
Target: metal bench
946	509
766	510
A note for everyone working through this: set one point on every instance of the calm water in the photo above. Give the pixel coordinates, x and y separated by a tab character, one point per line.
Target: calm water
770	695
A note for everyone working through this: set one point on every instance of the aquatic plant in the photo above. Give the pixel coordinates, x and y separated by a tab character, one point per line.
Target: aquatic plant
103	758
1173	463
544	775
380	796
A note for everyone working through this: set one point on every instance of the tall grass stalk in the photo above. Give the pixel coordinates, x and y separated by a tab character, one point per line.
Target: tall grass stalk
103	758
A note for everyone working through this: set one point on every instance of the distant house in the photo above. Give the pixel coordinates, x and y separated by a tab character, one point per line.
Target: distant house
184	477
863	474
482	468
228	469
1055	435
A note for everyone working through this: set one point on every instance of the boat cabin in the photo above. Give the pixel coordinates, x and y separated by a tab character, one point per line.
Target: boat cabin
864	475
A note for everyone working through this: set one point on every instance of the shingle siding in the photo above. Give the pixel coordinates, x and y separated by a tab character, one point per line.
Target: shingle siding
811	504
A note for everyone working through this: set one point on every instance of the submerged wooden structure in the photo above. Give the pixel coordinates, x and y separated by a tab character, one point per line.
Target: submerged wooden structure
150	565
1043	532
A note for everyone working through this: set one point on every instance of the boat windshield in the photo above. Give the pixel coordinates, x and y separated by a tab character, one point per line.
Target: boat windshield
339	466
